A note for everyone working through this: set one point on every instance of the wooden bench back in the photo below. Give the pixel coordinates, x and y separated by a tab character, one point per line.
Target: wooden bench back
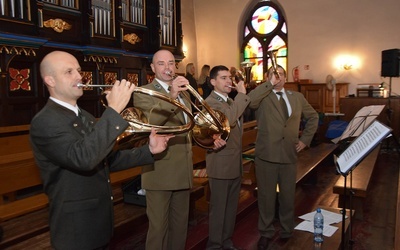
14	144
18	175
17	167
248	139
18	170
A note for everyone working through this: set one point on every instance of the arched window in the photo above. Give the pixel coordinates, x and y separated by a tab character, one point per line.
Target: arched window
264	32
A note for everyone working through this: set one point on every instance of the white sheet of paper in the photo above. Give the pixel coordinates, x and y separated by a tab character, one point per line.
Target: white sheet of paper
308	226
329	217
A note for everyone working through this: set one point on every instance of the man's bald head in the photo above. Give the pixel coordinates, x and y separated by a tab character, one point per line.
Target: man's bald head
49	62
163	61
61	74
162	54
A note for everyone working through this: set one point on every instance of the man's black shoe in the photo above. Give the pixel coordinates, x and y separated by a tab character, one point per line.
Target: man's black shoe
263	243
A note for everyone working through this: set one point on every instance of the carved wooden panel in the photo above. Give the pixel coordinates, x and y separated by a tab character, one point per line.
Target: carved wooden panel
19	79
110	78
133	78
314	95
321	98
150	77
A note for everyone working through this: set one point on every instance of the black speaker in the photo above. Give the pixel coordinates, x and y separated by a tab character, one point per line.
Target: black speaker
390	63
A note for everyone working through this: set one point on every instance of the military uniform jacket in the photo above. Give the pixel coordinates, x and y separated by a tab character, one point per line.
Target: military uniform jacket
173	168
276	137
75	176
226	163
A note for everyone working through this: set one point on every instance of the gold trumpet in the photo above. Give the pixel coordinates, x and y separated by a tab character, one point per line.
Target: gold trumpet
273	55
137	132
242	76
247	70
208	122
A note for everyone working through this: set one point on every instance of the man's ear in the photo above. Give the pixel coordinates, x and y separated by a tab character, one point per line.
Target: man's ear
212	81
49	81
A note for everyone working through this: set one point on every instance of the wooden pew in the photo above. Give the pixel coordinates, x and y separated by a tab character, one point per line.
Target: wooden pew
199	159
17	163
310	158
25	219
248	142
361	177
18	176
18	171
23	205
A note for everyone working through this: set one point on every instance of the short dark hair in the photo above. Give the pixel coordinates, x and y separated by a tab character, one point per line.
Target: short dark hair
214	71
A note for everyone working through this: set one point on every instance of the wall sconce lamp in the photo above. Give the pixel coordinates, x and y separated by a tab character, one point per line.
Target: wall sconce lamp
347	62
184	50
347	66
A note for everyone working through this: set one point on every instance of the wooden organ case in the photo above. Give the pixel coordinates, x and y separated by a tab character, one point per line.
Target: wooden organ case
112	39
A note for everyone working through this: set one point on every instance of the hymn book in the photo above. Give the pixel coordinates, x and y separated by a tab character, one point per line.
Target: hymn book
361	147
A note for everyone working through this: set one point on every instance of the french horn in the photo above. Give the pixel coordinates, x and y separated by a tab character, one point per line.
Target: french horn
205	125
139	128
208	122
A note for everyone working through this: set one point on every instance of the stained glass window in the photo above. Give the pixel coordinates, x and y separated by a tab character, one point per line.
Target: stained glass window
265	19
265	30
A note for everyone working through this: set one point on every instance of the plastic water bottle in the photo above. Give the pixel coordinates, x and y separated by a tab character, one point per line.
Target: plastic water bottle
318	226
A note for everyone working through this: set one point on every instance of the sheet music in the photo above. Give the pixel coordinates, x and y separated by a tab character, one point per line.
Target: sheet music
362	145
363	118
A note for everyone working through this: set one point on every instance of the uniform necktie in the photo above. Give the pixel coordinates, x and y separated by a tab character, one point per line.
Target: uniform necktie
230	101
179	99
283	104
83	118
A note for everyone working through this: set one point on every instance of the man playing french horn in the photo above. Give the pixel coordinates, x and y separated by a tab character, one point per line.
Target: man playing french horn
168	181
224	167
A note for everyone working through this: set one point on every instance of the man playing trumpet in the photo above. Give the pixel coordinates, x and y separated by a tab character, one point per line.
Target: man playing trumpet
278	114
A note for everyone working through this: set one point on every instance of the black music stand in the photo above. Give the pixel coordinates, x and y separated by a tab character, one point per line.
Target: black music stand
349	159
363	118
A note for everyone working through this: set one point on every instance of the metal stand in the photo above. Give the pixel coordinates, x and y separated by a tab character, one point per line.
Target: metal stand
343	211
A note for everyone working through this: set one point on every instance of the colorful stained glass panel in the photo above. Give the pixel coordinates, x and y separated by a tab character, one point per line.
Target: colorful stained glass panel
265	19
277	43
